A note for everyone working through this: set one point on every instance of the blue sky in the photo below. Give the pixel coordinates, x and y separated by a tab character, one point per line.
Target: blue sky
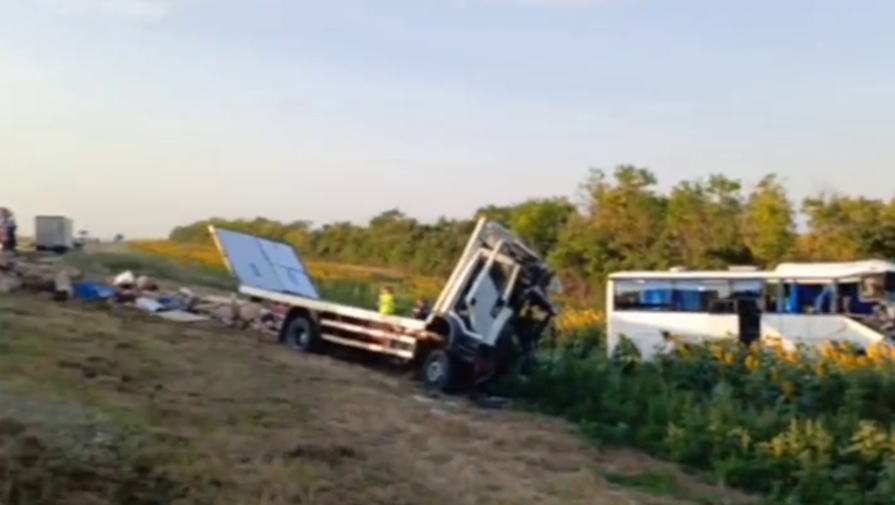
136	115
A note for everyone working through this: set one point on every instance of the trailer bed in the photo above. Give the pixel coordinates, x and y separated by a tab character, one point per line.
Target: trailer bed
348	311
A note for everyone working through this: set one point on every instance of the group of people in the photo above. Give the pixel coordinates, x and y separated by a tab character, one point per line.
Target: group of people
7	230
387	304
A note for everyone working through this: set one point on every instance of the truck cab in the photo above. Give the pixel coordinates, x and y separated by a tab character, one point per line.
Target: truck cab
492	311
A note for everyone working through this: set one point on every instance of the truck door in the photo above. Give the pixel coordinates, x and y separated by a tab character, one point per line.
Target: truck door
485	300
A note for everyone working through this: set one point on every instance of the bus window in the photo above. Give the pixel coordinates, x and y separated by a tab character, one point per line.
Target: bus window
747	288
773	297
642	295
700	295
691	295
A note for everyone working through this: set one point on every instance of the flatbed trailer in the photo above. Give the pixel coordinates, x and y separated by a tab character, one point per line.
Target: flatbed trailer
490	315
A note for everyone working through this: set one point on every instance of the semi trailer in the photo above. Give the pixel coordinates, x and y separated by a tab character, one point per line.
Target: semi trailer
490	315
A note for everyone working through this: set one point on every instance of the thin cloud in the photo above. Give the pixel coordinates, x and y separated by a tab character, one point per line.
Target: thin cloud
555	3
151	10
24	71
672	107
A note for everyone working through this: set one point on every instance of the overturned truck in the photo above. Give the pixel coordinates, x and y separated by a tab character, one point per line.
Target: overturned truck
489	317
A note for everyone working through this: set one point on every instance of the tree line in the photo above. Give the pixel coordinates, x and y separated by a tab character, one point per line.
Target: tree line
621	221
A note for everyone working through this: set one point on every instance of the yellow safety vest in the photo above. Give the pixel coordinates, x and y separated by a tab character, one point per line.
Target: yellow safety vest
386	303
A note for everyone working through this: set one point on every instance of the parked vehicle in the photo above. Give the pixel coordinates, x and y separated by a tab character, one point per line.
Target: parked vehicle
53	233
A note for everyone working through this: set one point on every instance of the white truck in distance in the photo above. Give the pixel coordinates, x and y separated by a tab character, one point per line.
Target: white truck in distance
53	233
491	313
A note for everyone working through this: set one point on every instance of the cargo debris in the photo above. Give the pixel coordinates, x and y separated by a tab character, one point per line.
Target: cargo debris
141	292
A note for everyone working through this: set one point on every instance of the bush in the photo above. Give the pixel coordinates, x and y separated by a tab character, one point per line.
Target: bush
796	427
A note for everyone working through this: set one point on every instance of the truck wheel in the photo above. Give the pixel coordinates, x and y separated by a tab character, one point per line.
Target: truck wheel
442	372
301	335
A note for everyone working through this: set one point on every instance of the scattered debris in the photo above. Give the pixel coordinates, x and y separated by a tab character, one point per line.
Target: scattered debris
139	291
9	283
180	316
125	280
92	291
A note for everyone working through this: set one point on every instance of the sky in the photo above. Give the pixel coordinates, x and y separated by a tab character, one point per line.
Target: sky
134	116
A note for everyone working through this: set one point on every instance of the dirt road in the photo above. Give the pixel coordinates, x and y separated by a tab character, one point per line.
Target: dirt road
167	413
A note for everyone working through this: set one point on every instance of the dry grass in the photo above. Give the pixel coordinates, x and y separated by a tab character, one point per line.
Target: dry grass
110	406
206	415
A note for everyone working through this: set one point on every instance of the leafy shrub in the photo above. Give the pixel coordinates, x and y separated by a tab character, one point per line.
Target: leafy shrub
800	428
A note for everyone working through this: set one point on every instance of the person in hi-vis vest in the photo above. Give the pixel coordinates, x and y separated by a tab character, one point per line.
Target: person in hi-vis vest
387	301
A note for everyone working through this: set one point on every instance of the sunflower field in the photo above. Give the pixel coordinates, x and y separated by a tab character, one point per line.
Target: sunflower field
346	283
795	427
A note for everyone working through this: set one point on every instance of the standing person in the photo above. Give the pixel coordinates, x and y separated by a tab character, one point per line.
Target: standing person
8	235
420	309
3	213
11	243
387	301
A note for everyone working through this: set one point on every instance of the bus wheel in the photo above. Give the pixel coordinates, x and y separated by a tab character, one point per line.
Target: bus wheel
301	335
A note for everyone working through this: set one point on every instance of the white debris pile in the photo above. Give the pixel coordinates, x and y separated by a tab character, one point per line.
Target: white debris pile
184	305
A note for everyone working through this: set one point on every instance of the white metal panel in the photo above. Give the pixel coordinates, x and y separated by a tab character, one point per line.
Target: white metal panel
264	264
282	254
482	299
645	329
785	271
833	270
689	274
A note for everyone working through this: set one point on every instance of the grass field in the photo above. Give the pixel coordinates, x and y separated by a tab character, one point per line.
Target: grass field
792	428
108	406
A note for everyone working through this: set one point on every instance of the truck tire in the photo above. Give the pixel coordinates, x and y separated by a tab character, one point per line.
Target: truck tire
301	335
442	372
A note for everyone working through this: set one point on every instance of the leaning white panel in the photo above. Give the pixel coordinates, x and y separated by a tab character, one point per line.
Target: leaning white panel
265	264
281	254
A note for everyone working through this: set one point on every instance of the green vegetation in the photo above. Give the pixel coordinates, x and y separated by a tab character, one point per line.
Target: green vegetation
795	430
622	222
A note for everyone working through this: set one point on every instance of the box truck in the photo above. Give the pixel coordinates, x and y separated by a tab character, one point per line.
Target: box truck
53	233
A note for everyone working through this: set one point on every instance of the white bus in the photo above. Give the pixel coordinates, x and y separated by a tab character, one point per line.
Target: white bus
795	303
